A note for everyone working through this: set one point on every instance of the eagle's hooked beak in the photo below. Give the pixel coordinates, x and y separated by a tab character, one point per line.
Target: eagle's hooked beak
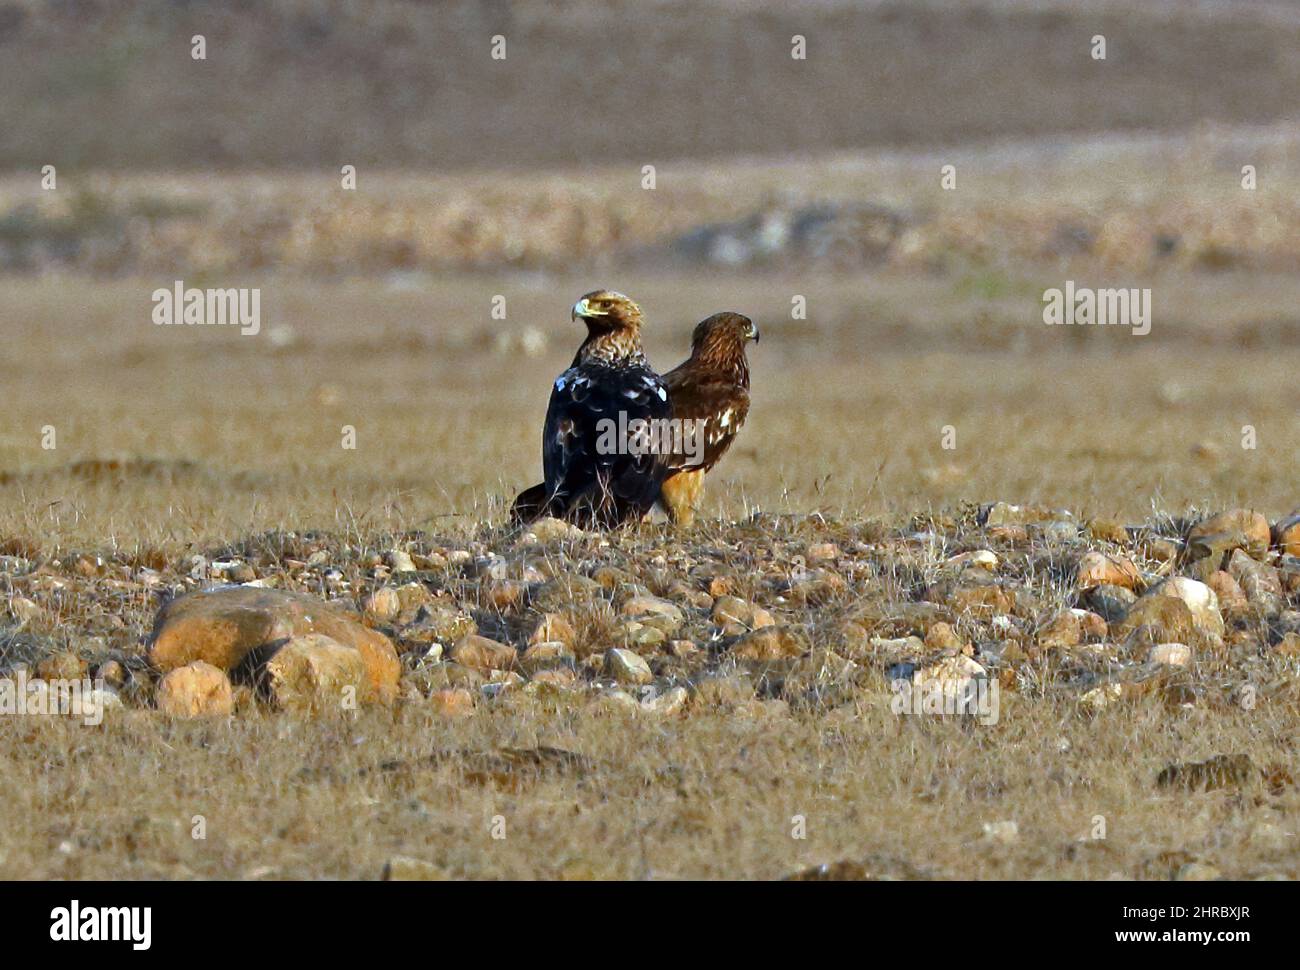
584	309
753	331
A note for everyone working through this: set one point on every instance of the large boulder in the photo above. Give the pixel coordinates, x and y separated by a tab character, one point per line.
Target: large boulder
238	629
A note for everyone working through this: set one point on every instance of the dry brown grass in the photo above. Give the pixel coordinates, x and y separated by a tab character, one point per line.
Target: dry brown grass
848	411
711	796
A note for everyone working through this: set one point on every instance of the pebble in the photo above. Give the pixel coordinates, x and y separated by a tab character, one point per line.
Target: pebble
642	636
314	672
771	643
1063	630
1098	569
553	628
1111	603
1173	654
398	561
627	667
25	610
953	675
1259	581
1286	534
383	604
941	636
546	653
452	702
985	559
1197	872
1158	619
670	702
197	689
638	606
482	653
722	690
1245	528
554	530
1200	599
65	665
823	552
1002	832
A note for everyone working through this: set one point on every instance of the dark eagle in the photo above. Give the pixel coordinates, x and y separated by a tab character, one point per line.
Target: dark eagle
598	458
711	391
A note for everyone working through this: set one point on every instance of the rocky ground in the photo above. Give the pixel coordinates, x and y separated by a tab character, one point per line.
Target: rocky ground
787	625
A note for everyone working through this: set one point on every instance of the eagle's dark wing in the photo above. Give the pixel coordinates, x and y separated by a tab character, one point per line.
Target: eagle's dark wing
719	405
587	480
529	505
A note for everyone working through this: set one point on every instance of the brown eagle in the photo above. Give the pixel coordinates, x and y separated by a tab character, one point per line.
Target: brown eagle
597	456
710	390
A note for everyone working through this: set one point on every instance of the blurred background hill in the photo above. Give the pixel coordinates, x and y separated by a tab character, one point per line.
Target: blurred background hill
110	84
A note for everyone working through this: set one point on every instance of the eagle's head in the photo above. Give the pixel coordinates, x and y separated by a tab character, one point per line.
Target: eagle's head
604	311
613	328
721	337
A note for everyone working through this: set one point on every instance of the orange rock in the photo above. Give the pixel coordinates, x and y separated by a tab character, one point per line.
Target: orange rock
1093	626
1260	582
1108	530
1249	527
1158	619
482	653
315	672
504	594
383	604
1232	599
197	689
452	702
1098	569
980	601
1286	534
771	643
1064	630
553	628
942	636
224	626
61	666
